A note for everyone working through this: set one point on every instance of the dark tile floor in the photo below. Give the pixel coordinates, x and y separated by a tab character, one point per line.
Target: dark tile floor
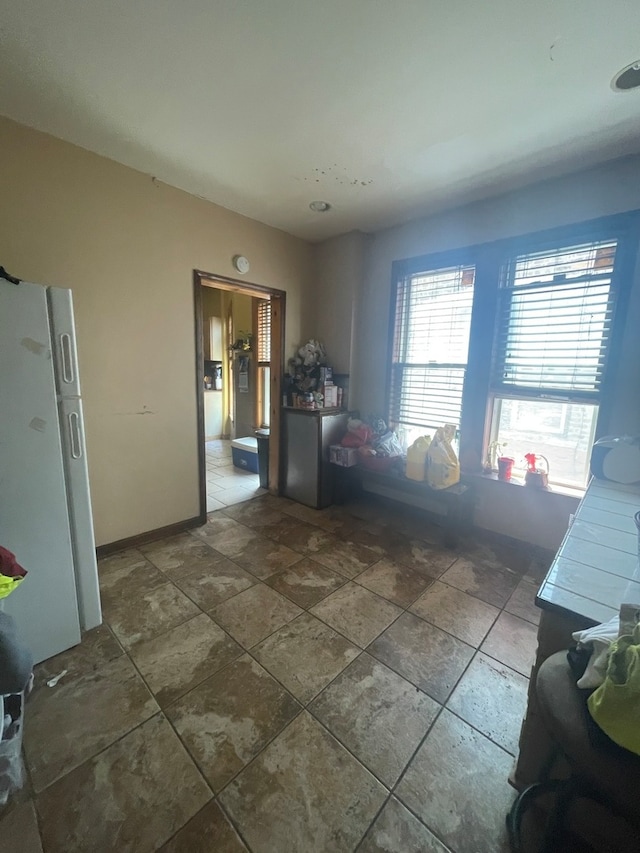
284	680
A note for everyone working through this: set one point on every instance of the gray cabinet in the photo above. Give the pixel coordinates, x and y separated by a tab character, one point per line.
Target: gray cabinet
307	435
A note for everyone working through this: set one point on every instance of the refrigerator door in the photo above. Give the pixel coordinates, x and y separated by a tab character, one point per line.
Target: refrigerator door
63	336
34	518
80	517
75	455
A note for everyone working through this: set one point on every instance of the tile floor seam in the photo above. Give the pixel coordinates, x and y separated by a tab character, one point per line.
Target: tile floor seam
365	648
39	822
254	758
362	648
303	707
107	746
233	823
445	704
444	630
403	608
230	664
275	678
224	601
30	786
517	615
404	772
199	683
162	633
192	759
337	737
222	558
293	565
375	818
279	628
480	732
405	611
476	649
38	794
306	709
502	663
173	729
217	672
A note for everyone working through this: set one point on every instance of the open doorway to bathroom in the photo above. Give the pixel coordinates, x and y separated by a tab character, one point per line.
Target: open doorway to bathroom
239	331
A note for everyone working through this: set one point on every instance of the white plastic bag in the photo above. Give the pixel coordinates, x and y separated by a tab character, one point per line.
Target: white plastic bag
443	468
11	769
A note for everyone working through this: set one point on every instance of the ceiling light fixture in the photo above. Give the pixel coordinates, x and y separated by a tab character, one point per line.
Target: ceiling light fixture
628	78
320	206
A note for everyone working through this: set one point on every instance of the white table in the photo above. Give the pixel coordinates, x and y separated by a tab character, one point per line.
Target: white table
595	570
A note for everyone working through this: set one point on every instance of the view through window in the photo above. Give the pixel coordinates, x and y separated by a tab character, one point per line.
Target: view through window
541	336
552	337
432	323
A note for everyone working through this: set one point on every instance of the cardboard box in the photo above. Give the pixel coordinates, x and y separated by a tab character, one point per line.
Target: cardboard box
330	394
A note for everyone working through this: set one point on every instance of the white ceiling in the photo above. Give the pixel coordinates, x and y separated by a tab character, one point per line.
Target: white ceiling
384	108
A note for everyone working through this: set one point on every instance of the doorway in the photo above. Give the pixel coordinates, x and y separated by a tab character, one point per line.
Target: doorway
239	335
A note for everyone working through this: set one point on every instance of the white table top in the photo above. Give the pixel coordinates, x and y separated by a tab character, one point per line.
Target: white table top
596	568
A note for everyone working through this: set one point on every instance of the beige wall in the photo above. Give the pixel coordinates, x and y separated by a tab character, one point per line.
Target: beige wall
211	303
127	246
242	313
339	270
611	188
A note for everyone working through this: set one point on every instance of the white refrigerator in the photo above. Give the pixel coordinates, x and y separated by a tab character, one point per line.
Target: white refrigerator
45	503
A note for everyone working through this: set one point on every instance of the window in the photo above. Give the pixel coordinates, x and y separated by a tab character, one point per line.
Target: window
555	312
513	341
430	348
263	355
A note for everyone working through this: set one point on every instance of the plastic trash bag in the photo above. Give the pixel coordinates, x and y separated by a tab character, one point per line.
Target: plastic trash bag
443	468
388	445
615	705
11	768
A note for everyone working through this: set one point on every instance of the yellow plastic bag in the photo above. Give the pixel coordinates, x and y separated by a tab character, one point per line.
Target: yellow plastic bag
7	585
443	468
417	458
615	705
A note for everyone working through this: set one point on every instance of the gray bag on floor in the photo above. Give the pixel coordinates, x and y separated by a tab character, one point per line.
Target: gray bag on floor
11	768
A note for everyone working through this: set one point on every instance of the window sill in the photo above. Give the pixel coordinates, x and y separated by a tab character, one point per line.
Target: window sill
517	482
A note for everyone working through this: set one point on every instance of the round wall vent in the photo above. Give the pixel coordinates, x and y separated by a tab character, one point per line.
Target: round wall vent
628	78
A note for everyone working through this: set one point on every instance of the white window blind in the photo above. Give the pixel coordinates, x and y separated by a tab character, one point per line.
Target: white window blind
554	322
264	332
430	346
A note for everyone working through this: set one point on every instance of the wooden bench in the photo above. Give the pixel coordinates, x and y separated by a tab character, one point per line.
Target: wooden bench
453	507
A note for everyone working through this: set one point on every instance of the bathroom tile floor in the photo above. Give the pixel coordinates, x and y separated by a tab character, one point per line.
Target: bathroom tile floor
272	683
226	484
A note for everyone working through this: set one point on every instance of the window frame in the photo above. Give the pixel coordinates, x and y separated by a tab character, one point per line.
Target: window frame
478	395
263	366
407	272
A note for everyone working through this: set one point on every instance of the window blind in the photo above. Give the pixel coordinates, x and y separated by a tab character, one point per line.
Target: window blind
430	346
264	332
554	322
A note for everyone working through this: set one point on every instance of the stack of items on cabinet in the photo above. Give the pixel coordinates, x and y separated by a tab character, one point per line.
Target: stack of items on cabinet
16	664
311	379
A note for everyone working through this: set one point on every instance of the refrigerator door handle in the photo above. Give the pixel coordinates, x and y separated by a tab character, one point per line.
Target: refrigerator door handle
75	437
66	354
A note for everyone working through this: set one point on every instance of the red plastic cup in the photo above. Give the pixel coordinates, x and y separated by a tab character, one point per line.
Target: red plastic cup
505	467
